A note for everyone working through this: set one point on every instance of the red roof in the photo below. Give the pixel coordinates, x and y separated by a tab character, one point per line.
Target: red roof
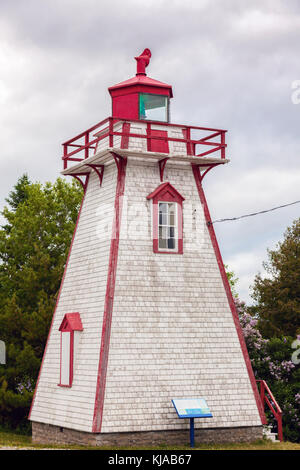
71	322
163	188
141	80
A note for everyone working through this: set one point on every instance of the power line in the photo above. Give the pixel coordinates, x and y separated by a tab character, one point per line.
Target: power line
255	213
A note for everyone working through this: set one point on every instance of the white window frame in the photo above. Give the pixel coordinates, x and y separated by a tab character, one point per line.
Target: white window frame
175	249
66	358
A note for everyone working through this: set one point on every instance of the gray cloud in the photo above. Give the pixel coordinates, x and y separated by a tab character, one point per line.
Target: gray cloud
231	65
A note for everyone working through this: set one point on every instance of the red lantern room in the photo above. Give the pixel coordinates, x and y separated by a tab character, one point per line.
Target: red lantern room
141	97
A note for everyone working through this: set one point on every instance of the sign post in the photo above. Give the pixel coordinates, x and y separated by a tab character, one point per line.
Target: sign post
192	437
191	408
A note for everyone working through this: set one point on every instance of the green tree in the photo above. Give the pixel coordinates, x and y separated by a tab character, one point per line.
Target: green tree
277	296
233	280
272	361
18	195
33	249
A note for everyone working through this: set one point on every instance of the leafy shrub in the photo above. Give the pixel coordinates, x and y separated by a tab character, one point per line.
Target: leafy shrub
271	361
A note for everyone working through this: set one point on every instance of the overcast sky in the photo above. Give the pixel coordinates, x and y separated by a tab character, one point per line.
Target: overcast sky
232	65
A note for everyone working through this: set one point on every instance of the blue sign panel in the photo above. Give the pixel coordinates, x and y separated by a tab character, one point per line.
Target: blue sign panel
191	408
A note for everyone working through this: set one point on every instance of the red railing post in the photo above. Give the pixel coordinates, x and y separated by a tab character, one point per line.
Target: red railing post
86	143
279	423
262	392
65	156
187	135
110	132
223	144
273	406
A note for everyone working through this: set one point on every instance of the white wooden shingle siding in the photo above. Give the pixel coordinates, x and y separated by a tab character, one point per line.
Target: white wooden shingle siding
84	292
172	331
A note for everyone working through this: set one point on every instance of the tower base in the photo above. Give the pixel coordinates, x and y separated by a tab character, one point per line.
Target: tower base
47	433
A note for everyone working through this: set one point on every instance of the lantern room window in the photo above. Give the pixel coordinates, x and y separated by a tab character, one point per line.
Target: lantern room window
69	329
167	219
153	107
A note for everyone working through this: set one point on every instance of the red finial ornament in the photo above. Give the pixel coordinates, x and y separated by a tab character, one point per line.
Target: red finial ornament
142	62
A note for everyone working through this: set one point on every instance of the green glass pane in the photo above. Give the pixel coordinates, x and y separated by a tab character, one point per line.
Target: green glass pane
142	113
153	107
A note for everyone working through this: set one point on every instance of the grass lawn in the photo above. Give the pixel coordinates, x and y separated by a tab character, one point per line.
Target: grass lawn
10	439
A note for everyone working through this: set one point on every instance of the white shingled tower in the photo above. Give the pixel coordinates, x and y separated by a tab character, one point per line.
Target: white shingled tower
145	312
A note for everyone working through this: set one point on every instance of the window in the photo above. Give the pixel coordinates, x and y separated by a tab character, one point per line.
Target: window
69	328
167	226
167	219
153	107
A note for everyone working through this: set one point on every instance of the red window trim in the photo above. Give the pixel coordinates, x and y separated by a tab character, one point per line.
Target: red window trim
109	295
165	192
71	322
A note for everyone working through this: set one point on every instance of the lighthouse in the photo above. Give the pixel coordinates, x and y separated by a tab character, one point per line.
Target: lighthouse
144	313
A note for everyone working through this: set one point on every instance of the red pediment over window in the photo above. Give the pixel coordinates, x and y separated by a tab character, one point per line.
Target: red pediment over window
166	192
167	219
71	322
